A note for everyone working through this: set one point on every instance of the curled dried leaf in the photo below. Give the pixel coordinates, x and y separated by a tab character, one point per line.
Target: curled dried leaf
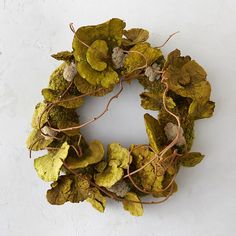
97	200
134	36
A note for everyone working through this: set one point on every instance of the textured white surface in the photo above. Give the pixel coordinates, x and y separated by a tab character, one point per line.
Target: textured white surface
31	30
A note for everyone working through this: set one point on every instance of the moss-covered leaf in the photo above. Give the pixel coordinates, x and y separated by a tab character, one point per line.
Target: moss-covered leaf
61	118
119	154
187	122
68	101
146	178
68	188
57	81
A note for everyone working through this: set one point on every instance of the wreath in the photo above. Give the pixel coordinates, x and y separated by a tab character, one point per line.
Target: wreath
105	56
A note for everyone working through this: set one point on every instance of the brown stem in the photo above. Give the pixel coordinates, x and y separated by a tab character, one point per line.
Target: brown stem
168	39
77	152
95	118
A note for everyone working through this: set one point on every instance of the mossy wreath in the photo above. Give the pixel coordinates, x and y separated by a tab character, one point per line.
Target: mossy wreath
105	56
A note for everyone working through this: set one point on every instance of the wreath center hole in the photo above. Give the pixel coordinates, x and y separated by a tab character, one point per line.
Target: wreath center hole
123	123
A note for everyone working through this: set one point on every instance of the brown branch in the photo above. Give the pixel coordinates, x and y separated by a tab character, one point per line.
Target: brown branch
95	118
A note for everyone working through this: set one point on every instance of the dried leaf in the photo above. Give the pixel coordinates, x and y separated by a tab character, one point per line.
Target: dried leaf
68	188
119	154
97	200
38	112
118	159
97	54
110	31
188	79
142	54
63	56
191	159
135	209
146	178
107	78
48	166
200	112
93	154
93	90
134	36
36	141
109	176
155	132
153	101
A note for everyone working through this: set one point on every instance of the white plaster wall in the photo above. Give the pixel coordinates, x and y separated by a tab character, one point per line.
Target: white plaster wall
31	30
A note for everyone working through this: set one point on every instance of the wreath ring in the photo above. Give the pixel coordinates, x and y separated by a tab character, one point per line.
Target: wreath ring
104	56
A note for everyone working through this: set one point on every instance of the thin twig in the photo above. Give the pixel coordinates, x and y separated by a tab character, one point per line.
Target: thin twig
95	118
168	39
